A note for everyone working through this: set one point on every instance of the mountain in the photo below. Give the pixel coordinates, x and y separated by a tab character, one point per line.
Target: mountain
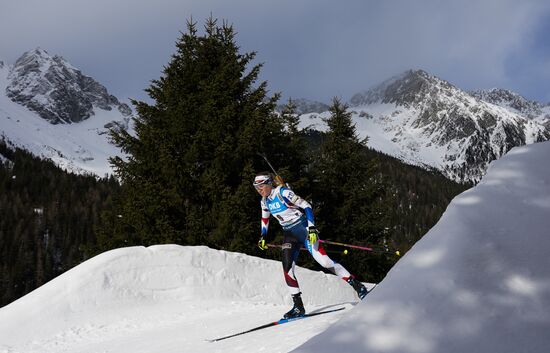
56	90
479	285
426	121
304	106
515	102
50	108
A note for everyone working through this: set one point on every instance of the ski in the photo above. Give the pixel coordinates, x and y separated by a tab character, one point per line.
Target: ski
275	323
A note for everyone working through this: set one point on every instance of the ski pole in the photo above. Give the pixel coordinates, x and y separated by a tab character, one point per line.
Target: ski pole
267	161
358	247
278	178
304	249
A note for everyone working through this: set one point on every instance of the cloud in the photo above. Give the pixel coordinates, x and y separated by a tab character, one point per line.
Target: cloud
311	48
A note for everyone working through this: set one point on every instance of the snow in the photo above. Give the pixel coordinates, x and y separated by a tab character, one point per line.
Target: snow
389	130
80	147
168	298
545	116
478	281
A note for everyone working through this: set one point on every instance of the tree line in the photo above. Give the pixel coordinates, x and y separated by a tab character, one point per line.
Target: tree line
47	220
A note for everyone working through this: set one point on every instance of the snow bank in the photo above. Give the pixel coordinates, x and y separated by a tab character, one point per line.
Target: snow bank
125	292
479	281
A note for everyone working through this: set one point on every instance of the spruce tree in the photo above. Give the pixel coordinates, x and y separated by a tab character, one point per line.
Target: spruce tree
351	192
187	179
297	171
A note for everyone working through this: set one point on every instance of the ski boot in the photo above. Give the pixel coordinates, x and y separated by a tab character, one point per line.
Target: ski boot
298	308
358	286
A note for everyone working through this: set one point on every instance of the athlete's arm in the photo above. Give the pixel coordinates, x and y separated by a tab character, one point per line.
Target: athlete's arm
292	199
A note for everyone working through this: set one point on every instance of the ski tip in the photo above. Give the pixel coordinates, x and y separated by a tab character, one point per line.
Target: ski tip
275	323
215	340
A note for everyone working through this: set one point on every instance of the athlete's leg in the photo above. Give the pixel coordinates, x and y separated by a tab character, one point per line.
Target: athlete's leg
299	232
291	250
320	255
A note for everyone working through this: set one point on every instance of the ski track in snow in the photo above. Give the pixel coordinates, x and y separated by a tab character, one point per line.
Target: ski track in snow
185	328
108	336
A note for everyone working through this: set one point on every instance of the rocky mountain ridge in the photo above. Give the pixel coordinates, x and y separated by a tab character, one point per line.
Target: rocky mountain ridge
515	102
427	121
56	90
49	108
415	116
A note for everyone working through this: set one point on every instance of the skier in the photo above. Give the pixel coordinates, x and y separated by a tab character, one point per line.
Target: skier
296	217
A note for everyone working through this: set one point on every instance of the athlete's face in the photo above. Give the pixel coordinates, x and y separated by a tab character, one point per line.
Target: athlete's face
264	189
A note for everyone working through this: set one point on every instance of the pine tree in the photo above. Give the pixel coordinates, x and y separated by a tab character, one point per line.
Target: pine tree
351	192
298	162
194	154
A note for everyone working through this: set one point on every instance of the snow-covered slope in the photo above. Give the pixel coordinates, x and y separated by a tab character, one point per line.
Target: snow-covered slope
426	121
50	109
167	299
479	281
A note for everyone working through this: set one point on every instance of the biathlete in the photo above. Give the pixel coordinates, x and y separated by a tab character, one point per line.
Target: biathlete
296	217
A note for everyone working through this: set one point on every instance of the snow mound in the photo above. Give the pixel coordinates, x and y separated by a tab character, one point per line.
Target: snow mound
478	281
173	272
131	290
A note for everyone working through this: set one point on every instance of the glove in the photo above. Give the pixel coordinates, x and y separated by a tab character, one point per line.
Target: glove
261	244
312	235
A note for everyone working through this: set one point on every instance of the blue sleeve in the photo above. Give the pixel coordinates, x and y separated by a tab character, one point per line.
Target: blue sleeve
309	216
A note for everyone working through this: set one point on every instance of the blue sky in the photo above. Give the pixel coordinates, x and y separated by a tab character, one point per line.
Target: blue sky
314	49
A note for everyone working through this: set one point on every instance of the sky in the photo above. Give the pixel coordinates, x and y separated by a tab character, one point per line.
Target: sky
314	49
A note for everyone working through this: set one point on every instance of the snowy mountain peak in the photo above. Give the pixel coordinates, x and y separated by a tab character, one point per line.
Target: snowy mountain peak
49	108
424	120
56	90
511	100
411	86
38	56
